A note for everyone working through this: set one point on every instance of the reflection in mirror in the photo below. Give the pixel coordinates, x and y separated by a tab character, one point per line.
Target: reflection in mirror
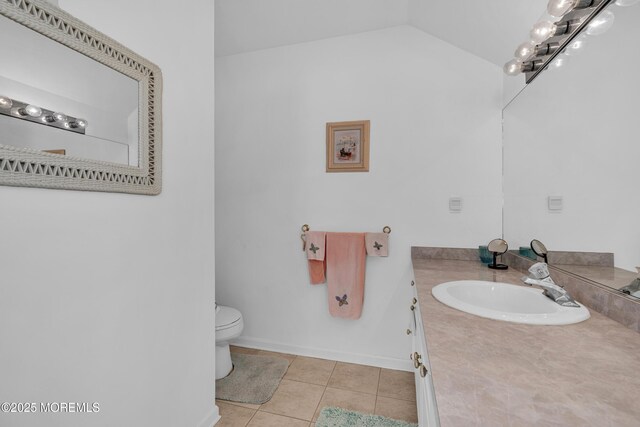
571	157
75	104
497	247
539	249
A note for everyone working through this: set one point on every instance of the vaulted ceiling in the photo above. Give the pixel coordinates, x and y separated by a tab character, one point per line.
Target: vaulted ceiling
490	29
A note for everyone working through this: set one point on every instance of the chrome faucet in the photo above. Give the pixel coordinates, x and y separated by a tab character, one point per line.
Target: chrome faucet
540	277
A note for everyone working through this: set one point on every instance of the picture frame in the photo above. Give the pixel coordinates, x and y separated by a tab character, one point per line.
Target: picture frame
348	146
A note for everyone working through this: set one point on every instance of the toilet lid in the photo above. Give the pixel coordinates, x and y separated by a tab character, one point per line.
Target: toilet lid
226	316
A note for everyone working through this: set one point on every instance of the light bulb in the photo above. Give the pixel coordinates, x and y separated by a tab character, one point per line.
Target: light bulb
542	31
5	102
601	23
525	50
559	8
33	111
59	117
77	123
513	67
625	3
576	46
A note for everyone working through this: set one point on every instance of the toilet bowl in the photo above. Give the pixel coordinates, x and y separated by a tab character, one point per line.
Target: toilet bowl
229	325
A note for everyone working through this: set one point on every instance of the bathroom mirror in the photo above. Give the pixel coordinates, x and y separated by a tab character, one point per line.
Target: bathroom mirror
77	109
571	154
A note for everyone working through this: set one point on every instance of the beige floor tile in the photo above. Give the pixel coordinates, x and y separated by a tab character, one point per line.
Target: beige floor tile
310	370
294	399
346	399
243	405
233	416
403	410
265	419
289	357
397	384
349	376
243	350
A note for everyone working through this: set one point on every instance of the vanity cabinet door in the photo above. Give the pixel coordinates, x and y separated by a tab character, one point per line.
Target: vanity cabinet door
425	395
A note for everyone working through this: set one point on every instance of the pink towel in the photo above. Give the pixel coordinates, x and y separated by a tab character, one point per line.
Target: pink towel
315	248
377	244
345	258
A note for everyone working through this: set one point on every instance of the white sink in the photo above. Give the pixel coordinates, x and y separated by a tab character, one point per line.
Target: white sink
510	303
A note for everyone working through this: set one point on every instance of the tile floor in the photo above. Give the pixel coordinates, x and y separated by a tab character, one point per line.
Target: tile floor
311	384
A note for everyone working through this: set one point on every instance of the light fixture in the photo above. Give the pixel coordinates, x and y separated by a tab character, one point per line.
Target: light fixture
550	39
560	8
22	110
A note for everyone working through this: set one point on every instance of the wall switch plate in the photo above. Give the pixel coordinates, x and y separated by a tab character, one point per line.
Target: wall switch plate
455	204
555	203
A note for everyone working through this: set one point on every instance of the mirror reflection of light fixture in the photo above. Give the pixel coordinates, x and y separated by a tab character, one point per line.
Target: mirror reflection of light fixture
549	39
33	113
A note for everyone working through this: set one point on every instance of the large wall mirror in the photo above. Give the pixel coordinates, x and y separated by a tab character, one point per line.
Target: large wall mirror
572	158
77	109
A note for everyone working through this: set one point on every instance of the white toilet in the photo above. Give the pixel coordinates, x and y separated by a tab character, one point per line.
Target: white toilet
228	326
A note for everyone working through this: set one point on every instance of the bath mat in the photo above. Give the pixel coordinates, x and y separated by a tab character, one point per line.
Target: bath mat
338	417
254	379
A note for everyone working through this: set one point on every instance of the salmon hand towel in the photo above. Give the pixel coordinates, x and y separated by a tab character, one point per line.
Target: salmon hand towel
345	258
315	248
377	244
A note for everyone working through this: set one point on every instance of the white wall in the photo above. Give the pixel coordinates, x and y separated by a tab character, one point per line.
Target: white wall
574	133
435	132
109	297
248	25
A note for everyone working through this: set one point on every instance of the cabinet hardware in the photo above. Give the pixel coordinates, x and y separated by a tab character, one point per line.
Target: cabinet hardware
408	331
413	307
416	360
423	371
413	283
415	301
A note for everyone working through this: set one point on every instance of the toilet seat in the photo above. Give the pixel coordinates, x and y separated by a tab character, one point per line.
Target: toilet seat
227	318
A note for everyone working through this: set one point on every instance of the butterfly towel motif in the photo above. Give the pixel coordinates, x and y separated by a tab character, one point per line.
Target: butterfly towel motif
378	246
314	248
342	301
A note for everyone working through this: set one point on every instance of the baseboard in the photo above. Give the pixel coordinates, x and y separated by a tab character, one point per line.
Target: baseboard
340	356
211	419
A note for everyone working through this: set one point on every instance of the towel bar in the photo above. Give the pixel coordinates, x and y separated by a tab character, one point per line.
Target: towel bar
305	227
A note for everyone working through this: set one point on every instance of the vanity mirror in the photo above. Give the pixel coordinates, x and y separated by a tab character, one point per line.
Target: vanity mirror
77	109
571	153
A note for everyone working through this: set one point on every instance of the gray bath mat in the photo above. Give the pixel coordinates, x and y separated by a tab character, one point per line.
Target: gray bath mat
338	417
254	379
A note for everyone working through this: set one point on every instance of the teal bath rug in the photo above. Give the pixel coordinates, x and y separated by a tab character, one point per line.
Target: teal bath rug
338	417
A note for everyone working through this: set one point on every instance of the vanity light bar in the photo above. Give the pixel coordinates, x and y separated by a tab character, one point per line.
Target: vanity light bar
22	110
550	39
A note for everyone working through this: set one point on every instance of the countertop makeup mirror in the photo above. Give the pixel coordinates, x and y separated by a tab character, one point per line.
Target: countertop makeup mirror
571	156
77	109
497	247
540	250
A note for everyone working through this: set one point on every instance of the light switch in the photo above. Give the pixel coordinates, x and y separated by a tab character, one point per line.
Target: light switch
455	204
555	203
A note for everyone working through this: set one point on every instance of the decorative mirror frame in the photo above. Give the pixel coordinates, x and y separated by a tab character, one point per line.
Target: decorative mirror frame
32	168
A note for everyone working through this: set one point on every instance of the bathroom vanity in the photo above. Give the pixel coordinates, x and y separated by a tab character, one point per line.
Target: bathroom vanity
484	372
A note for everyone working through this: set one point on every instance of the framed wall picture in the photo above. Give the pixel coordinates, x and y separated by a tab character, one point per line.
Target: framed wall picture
348	146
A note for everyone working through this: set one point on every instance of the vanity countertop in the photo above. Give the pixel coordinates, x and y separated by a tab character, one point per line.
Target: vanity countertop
493	373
